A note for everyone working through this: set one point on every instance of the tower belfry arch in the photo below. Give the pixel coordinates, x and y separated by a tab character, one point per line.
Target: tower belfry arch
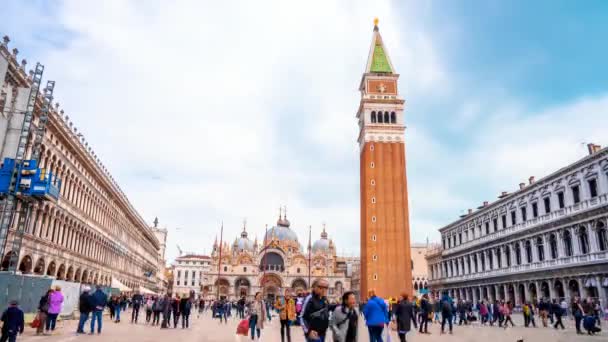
385	232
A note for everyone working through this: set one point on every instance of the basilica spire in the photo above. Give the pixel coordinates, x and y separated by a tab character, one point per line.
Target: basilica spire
378	60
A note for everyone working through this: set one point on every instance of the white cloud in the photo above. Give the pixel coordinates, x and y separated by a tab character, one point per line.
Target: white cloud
211	111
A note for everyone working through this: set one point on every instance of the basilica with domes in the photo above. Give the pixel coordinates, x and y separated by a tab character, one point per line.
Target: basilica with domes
276	264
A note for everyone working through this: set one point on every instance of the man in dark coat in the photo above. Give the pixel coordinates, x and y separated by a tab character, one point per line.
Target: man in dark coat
136	301
85	306
404	315
165	305
13	322
425	309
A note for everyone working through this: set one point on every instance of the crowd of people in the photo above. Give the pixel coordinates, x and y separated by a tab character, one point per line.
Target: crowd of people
313	313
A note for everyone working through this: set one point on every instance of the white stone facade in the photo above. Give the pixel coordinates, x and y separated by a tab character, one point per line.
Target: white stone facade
190	272
92	234
549	239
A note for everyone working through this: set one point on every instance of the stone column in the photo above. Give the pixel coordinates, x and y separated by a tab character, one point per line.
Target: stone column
513	253
534	245
552	293
561	249
581	287
505	288
495	257
527	291
601	292
576	249
593	242
32	223
517	299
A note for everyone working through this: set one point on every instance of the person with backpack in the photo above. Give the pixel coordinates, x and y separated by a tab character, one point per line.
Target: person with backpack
99	301
344	320
13	322
446	312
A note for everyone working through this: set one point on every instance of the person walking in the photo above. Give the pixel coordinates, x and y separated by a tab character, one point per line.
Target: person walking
99	301
257	316
165	305
156	310
185	307
117	305
344	319
136	302
528	310
175	310
55	305
404	315
558	312
315	313
149	304
506	313
425	311
446	312
85	307
483	313
462	312
376	316
43	311
287	313
13	322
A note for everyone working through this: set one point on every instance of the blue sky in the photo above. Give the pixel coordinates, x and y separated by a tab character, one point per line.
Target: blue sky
208	112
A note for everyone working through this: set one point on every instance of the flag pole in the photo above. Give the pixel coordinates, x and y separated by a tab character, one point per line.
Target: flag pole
309	255
264	260
219	263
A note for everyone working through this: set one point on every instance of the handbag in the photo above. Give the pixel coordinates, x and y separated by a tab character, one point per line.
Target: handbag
36	322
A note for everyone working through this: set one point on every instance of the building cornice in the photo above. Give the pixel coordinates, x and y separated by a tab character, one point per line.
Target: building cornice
528	189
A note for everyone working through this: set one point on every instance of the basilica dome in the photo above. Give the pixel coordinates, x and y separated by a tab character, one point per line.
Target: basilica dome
243	243
281	231
322	245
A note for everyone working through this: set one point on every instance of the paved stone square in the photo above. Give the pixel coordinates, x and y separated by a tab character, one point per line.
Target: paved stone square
204	329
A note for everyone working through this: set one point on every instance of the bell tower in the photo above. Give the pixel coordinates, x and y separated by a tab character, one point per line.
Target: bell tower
385	230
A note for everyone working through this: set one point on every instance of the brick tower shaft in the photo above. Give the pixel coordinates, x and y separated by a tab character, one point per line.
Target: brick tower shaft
385	231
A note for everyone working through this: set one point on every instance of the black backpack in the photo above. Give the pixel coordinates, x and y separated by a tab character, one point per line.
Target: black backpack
446	306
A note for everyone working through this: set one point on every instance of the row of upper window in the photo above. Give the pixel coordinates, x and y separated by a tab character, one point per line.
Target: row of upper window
385	117
576	198
179	274
584	248
178	283
192	262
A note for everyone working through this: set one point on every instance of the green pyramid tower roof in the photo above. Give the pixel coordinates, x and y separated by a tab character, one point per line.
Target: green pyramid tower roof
379	61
